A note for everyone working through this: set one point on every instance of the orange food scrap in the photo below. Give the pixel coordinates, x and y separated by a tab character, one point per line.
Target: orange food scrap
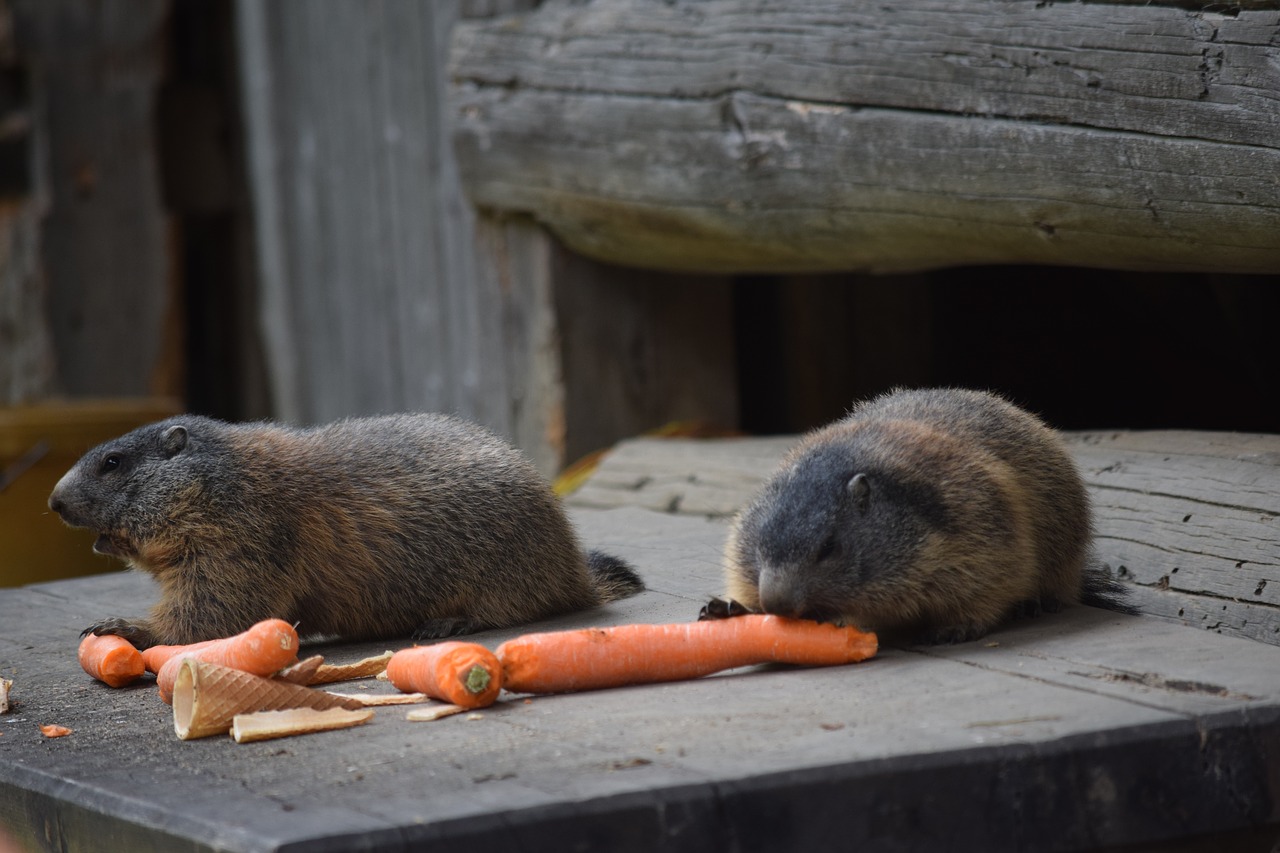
464	674
110	659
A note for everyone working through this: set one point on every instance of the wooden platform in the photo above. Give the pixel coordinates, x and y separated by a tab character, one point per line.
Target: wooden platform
1084	730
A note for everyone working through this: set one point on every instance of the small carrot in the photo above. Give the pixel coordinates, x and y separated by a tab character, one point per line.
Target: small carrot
110	659
594	658
465	674
263	649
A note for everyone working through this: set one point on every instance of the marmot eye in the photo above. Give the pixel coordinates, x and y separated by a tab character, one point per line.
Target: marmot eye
828	549
110	463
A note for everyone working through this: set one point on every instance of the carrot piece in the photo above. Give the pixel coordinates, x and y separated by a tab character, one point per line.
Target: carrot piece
110	659
155	657
465	674
265	648
594	658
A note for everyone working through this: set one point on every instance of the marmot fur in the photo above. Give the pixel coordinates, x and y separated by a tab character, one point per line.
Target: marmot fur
372	527
942	512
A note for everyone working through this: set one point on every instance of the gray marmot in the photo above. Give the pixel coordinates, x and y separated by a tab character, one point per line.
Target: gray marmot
942	512
370	527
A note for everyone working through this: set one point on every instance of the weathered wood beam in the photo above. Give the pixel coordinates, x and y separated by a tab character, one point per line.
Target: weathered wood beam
801	136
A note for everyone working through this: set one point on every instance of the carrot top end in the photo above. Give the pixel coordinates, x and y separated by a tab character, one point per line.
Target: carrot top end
476	680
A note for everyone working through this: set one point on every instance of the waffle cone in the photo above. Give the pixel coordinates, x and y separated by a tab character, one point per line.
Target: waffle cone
206	697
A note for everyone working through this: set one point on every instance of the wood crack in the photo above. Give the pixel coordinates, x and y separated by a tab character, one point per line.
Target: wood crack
1267	515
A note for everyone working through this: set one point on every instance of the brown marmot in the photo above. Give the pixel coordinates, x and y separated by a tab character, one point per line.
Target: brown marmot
401	525
941	512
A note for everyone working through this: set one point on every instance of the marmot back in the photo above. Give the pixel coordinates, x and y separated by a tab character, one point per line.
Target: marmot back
940	511
369	527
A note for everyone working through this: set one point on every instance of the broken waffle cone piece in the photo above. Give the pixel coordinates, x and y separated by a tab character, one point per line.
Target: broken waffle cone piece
314	670
370	700
302	672
207	697
435	712
366	668
264	725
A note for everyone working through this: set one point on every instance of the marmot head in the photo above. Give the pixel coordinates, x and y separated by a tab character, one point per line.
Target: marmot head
128	490
836	527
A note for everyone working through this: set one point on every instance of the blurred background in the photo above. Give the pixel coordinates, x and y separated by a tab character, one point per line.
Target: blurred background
253	210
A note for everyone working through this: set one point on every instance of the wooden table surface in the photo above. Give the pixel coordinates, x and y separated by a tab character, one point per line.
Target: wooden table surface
1074	731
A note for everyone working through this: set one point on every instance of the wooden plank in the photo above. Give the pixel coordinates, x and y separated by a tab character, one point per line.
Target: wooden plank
26	348
769	136
1189	520
639	352
513	259
686	476
1192	519
383	290
1115	67
1124	727
105	244
371	297
27	368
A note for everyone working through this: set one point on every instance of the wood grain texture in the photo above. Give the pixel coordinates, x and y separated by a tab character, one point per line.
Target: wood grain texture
27	366
380	290
1190	521
383	290
1129	731
773	136
373	297
105	242
639	353
513	259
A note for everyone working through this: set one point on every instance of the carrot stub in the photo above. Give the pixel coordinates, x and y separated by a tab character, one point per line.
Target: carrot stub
465	674
110	659
594	658
264	649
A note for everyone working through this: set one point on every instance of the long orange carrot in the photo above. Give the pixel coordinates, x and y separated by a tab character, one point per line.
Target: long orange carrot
263	649
593	658
110	659
465	674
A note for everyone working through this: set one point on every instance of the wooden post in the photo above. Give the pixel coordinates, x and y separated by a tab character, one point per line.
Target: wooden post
383	289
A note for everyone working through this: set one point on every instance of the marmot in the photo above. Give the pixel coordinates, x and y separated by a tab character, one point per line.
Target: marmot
390	526
942	512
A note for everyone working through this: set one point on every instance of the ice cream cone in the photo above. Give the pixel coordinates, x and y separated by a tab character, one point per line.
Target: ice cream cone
206	697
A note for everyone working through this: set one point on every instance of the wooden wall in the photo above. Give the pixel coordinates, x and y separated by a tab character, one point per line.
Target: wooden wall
105	253
300	211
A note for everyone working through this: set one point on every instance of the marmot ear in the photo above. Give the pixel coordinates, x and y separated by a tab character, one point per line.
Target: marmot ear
859	489
174	440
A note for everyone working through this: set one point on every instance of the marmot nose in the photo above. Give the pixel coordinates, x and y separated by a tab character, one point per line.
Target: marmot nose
56	503
781	598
